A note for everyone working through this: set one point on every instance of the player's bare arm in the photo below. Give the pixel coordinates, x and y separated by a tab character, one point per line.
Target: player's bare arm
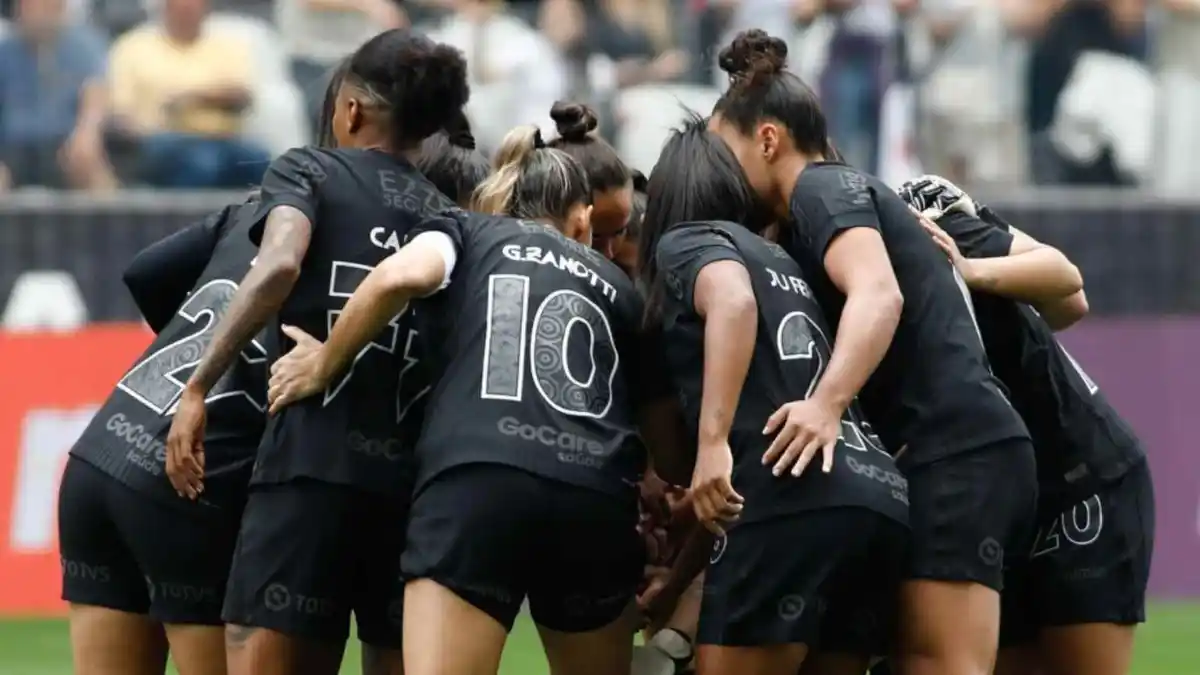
1032	272
286	236
661	425
724	298
858	264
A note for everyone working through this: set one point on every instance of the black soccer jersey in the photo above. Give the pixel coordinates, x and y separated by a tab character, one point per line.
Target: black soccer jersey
790	352
933	391
360	430
1082	443
127	437
534	346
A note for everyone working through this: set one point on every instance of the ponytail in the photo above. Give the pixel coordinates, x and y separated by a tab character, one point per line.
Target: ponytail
494	195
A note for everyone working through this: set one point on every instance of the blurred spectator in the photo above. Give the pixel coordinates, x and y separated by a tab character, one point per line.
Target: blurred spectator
860	65
319	33
1177	57
516	74
1070	29
52	101
628	42
183	92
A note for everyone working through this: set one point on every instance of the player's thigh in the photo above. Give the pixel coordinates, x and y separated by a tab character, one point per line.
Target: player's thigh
968	511
862	599
765	589
293	564
98	568
474	530
378	593
111	642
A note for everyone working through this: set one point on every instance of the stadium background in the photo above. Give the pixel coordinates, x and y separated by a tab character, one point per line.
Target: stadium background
941	85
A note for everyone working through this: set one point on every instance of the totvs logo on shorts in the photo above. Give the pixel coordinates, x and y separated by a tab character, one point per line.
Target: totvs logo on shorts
56	383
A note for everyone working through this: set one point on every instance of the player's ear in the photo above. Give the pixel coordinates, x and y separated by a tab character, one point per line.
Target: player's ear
768	141
354	115
579	224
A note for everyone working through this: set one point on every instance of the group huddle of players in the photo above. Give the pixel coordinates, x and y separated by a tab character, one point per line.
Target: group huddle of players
409	384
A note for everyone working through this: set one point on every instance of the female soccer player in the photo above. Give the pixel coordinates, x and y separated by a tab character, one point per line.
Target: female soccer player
625	249
318	538
607	174
808	562
529	453
1096	497
966	452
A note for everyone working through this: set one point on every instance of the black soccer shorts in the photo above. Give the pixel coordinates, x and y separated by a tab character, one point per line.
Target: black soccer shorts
310	553
969	511
126	551
1088	564
825	578
495	535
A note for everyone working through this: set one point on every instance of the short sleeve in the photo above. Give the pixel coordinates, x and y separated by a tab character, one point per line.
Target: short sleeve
293	179
450	223
829	200
161	275
977	238
684	251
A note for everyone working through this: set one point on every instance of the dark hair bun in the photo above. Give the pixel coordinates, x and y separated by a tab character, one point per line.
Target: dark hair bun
458	132
639	181
424	82
574	121
752	54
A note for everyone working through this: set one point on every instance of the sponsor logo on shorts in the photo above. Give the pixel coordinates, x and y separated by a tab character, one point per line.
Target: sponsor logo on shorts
719	545
892	479
791	607
991	552
182	593
572	448
278	598
146	451
388	449
77	569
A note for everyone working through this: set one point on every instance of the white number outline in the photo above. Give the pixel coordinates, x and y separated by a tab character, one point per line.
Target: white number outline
390	335
1047	540
1088	382
528	342
853	433
253	355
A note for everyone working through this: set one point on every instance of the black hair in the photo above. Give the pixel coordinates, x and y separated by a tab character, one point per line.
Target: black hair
324	133
450	161
697	178
576	124
532	180
760	86
633	226
422	83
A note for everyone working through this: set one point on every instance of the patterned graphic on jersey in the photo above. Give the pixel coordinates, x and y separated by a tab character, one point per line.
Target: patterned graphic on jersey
159	379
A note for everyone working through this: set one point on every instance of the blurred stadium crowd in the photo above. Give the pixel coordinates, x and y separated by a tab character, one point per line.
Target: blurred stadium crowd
98	94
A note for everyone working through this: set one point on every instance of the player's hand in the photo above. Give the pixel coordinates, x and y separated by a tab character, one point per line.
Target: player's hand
801	429
713	497
935	196
945	242
298	374
185	445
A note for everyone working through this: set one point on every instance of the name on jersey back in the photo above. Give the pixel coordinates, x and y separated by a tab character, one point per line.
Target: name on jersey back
565	263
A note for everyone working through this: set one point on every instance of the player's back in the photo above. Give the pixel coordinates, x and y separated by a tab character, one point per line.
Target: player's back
791	350
528	346
361	204
933	391
127	437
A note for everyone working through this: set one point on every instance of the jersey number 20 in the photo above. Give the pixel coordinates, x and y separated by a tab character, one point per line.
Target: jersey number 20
564	323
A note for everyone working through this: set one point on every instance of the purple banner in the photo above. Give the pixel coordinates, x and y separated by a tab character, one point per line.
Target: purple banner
1149	369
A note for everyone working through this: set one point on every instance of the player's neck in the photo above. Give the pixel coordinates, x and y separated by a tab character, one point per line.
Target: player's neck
790	170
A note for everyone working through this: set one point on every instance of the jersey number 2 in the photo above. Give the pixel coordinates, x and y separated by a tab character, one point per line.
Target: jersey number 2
563	319
159	379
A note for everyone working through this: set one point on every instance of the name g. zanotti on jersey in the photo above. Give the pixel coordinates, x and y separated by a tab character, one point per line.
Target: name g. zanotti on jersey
573	266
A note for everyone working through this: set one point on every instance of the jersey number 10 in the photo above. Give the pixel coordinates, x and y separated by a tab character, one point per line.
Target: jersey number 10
565	323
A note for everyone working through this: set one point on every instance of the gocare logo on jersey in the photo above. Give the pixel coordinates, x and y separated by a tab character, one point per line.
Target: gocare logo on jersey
572	448
146	451
573	266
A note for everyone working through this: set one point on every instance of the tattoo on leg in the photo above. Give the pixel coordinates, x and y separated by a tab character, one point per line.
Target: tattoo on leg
237	636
